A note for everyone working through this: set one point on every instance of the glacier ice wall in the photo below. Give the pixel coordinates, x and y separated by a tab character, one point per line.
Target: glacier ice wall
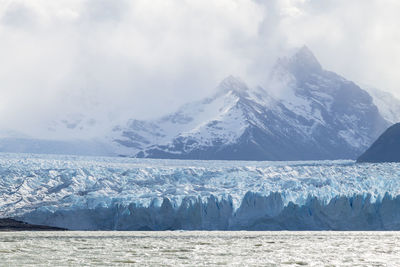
93	193
256	213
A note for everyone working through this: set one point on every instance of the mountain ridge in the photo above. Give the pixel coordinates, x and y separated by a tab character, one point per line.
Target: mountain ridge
317	115
303	113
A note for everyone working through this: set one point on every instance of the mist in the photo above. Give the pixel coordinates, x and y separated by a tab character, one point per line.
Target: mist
120	59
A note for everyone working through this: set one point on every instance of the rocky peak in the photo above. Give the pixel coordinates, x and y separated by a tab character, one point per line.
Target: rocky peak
232	84
300	65
305	59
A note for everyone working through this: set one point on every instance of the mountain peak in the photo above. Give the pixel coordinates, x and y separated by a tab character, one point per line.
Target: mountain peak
305	51
232	83
301	64
305	59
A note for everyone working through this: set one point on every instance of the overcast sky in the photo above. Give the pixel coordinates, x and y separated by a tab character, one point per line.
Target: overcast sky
142	58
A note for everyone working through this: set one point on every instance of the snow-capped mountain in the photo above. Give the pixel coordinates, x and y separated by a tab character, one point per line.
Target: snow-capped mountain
302	112
388	105
305	112
72	134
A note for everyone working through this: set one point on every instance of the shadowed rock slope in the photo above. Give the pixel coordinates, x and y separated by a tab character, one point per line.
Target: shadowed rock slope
8	224
386	148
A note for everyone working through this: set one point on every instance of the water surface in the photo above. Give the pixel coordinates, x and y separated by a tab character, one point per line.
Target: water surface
180	248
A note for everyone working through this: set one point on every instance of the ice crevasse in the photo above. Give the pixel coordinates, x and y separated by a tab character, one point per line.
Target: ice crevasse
99	193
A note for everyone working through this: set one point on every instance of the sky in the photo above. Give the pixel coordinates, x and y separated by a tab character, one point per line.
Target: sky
119	59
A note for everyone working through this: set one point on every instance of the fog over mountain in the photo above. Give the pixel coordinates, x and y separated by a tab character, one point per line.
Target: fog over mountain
304	113
97	63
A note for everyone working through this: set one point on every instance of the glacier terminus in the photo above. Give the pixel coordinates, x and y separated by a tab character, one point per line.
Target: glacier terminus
108	193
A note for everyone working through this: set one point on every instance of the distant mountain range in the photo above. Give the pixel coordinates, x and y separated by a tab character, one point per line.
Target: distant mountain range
305	113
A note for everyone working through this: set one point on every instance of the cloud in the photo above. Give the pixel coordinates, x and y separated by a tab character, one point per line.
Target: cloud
121	59
354	38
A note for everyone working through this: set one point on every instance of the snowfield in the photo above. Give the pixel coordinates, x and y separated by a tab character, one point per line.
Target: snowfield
92	193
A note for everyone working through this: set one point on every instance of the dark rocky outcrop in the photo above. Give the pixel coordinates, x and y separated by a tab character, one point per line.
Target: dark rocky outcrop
386	148
8	224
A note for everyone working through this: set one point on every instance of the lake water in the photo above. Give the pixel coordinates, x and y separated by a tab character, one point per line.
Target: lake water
200	248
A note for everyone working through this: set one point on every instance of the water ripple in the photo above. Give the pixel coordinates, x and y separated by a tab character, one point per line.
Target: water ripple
200	248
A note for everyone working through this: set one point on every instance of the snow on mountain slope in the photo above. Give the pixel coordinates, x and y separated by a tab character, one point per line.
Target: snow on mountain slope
132	194
388	105
70	134
45	146
73	124
304	113
327	100
209	120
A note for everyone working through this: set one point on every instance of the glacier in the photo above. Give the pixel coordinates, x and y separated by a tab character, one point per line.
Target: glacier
108	193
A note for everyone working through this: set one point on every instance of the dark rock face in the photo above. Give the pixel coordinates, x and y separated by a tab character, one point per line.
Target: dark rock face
8	224
386	148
